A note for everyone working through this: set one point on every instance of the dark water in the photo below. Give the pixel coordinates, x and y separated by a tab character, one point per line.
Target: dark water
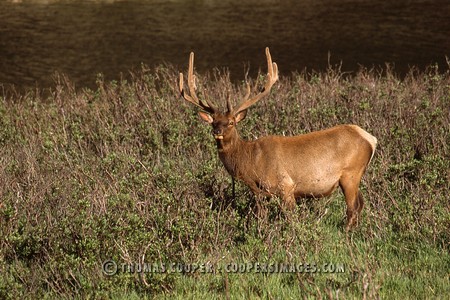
84	38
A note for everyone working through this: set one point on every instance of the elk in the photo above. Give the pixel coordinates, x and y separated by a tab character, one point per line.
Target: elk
307	165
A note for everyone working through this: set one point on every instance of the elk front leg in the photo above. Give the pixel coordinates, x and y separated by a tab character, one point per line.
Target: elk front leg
287	192
289	202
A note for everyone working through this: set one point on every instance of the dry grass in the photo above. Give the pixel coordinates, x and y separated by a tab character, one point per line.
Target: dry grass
128	171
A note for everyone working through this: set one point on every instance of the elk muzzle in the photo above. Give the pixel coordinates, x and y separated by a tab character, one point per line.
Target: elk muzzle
218	133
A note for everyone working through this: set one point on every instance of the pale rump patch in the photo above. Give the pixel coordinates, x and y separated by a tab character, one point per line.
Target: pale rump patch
368	137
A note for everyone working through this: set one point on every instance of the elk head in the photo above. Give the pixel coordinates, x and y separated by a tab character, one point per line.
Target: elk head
223	124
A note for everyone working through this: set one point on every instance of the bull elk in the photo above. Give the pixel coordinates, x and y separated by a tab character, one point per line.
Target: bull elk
307	165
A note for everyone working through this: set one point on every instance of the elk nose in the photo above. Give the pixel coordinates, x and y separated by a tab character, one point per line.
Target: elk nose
217	131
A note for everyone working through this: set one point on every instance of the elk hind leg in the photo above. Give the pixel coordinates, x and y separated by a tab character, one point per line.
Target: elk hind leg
353	199
360	203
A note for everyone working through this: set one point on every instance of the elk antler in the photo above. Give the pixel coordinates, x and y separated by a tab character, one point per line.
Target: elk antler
272	77
206	106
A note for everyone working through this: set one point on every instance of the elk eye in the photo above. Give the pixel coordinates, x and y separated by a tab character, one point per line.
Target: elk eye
230	123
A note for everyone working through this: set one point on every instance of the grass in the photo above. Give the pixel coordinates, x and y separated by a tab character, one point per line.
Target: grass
128	172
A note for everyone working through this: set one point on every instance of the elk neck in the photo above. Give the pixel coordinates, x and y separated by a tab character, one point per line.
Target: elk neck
234	153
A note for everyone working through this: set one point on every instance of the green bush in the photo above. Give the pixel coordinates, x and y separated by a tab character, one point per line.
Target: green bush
128	172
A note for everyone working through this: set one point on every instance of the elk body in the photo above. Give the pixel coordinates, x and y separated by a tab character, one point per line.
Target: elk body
308	165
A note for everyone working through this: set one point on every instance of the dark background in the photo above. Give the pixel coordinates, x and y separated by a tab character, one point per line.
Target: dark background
84	38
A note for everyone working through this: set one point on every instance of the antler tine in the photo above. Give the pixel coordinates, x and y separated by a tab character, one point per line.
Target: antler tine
183	94
247	94
272	77
192	98
191	78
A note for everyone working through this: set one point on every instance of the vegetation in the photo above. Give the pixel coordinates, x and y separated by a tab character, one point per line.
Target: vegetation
127	172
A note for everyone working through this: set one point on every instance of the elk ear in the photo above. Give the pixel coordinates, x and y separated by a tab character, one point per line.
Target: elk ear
241	116
206	117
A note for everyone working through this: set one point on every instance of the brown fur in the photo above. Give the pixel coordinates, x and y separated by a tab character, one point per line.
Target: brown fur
308	165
